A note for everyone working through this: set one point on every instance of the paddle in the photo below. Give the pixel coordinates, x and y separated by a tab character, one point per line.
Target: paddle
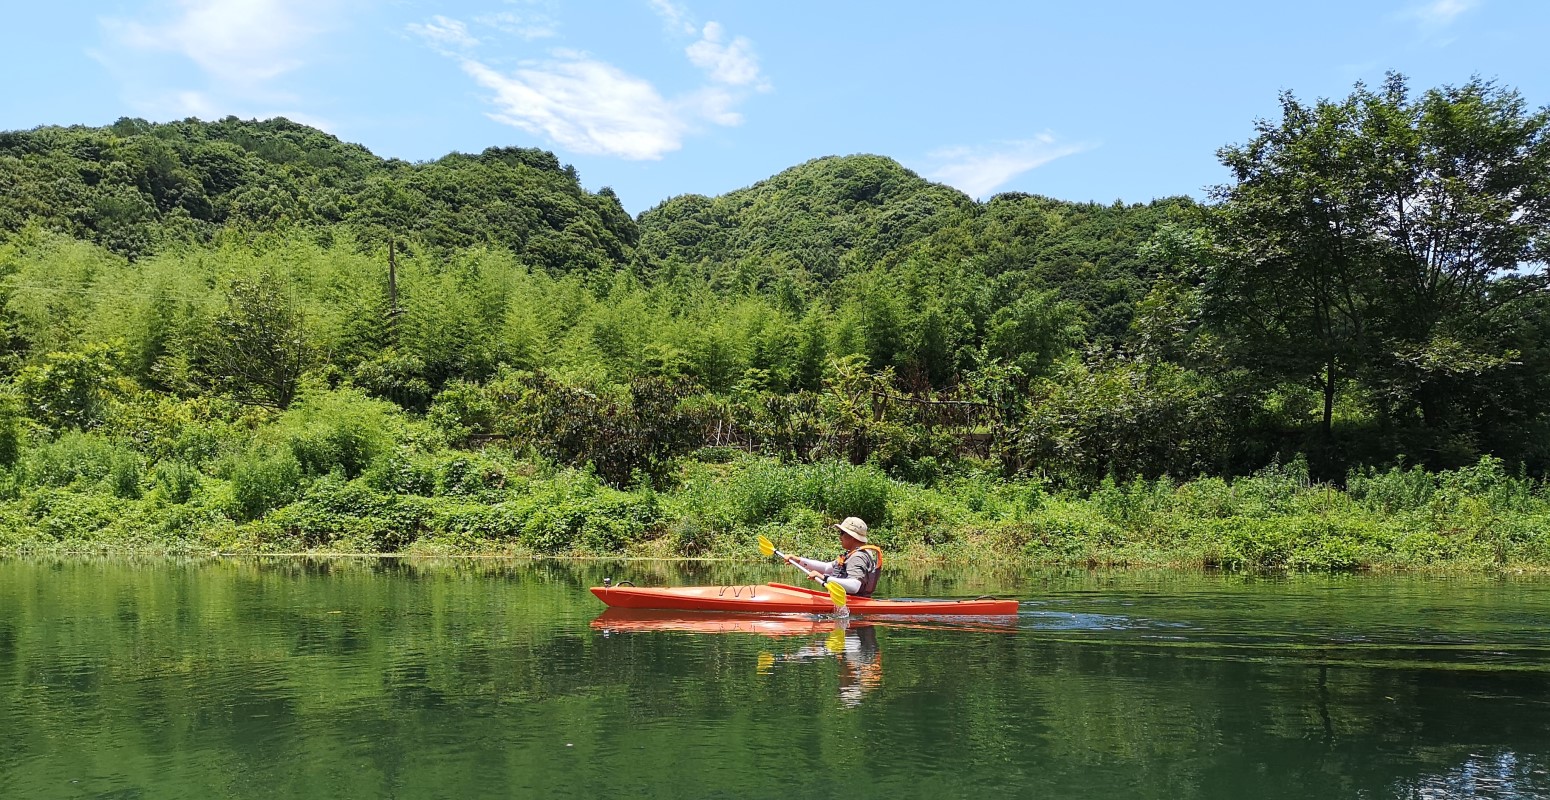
836	591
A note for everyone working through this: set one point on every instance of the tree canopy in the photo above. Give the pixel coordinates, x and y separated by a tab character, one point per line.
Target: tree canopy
1368	288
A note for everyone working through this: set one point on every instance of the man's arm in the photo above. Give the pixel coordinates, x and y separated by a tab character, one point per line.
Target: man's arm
833	571
821	567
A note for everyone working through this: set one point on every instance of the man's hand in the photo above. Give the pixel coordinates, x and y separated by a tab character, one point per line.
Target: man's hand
818	576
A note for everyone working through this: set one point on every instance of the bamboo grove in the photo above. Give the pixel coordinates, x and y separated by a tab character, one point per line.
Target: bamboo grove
250	335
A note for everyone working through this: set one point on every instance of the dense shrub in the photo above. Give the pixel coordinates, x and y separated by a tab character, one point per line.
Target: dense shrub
621	437
262	480
338	430
88	460
1124	419
178	480
73	389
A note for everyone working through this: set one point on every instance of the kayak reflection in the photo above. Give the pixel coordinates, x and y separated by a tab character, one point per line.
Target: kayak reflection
850	641
636	620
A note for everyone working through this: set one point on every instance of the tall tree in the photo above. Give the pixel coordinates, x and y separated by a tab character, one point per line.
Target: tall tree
1375	238
1293	288
257	348
1461	181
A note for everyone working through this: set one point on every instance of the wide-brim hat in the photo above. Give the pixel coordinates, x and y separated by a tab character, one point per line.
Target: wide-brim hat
855	527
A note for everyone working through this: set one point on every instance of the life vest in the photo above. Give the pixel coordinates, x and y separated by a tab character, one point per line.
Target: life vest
869	578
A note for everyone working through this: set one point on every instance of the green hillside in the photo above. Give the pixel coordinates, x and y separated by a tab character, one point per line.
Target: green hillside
137	188
819	221
252	328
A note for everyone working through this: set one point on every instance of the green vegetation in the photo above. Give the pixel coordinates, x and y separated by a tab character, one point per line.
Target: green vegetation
249	335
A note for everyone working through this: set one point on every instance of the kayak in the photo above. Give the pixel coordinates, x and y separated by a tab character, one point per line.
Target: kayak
645	620
779	598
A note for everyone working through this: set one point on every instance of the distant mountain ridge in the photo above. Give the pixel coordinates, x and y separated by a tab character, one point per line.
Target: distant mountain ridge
137	186
826	214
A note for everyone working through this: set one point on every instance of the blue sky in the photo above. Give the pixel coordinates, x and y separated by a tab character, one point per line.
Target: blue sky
1081	101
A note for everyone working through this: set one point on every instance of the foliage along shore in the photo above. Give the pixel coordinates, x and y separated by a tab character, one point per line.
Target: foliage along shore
493	502
249	336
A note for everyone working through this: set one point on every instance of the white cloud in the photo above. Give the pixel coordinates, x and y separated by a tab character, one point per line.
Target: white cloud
245	42
1435	18
1439	13
674	16
730	62
444	34
183	103
243	50
977	171
528	26
714	103
585	105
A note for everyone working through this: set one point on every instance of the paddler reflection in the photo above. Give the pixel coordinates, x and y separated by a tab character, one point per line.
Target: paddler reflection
850	642
854	645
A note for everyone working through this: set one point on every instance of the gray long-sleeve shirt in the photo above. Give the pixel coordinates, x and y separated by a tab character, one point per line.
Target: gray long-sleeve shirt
847	576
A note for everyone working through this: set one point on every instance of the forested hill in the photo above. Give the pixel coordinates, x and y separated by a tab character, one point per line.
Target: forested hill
823	218
247	261
135	187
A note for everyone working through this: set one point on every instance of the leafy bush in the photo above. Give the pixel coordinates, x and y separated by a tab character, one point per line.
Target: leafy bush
10	430
194	429
342	429
68	516
178	480
1299	542
262	480
1124	419
1396	490
402	473
620	438
470	474
841	490
334	511
462	409
1066	531
87	459
73	389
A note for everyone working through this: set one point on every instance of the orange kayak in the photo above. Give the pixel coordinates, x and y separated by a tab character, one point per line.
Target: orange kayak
645	620
778	598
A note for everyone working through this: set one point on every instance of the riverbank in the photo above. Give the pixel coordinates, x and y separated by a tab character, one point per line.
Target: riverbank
495	503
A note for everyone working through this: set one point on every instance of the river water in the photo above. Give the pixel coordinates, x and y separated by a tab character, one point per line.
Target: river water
128	678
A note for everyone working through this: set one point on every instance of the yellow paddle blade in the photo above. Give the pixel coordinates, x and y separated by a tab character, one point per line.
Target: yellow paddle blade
835	643
766	546
836	593
765	664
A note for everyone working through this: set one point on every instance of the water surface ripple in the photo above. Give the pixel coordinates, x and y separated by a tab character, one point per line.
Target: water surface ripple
384	678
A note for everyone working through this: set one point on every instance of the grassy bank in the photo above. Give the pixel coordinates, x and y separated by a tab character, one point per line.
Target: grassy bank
318	481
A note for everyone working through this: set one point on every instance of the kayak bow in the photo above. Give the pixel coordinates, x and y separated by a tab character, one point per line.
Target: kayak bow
778	598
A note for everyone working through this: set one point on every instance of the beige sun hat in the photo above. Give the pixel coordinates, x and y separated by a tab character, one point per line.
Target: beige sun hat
855	527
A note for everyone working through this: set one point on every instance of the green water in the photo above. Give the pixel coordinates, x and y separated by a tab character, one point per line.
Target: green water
364	678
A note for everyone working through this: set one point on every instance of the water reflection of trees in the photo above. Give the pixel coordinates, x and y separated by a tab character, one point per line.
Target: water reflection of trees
428	674
1498	775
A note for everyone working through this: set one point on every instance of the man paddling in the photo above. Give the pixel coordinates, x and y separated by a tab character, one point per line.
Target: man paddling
857	570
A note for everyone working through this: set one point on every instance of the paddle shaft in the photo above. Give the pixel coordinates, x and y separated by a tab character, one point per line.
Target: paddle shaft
793	562
836	591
